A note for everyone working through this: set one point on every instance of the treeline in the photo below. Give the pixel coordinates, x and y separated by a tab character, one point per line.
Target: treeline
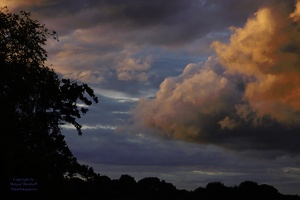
150	188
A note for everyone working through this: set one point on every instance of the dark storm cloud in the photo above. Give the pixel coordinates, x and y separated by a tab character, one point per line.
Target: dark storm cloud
166	23
158	22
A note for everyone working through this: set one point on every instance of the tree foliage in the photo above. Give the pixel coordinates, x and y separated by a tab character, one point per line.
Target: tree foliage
34	103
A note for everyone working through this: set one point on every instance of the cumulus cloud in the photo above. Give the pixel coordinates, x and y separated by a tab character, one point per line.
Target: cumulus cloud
251	102
267	49
199	93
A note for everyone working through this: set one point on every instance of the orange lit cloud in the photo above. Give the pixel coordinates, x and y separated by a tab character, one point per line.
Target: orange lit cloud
248	97
267	48
17	4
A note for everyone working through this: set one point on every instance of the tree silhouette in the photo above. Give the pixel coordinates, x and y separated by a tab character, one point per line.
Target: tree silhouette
34	102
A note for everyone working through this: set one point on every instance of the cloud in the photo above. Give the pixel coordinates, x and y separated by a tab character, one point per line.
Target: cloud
249	90
130	68
15	4
185	104
186	165
97	59
116	43
246	99
155	22
267	49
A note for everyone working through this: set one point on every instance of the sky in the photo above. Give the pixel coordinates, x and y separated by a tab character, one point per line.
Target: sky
190	92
